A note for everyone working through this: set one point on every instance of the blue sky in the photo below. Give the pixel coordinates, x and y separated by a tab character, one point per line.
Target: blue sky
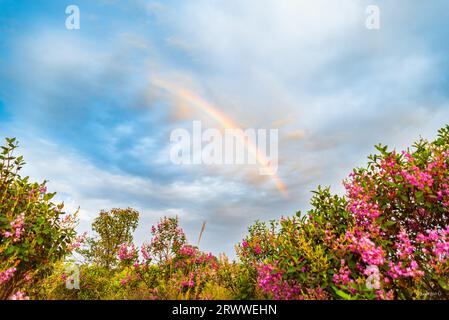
89	117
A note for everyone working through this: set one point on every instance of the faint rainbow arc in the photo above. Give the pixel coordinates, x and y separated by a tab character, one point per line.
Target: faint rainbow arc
225	121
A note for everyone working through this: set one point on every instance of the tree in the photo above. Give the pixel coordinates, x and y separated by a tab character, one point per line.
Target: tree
113	228
34	232
167	239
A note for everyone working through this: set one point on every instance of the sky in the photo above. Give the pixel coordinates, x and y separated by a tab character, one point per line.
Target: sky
91	116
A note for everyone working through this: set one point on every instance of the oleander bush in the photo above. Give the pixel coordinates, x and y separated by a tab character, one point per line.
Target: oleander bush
387	237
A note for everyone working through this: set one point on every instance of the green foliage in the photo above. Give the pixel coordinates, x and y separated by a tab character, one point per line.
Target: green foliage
239	279
34	232
113	228
386	238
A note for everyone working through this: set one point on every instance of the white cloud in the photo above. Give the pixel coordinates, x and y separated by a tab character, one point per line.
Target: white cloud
310	68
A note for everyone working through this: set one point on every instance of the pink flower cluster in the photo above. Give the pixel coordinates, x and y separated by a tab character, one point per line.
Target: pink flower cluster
188	251
146	252
343	276
255	249
17	228
418	178
407	265
126	280
365	211
271	281
79	240
369	252
27	277
207	258
167	238
399	269
195	256
189	283
127	252
19	296
436	243
6	275
404	246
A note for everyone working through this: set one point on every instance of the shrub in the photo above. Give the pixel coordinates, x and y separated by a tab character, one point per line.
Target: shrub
387	238
34	232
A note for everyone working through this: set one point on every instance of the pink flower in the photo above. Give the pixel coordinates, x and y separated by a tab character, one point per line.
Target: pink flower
188	251
19	296
27	277
189	282
127	252
271	281
78	241
146	252
6	275
17	228
371	254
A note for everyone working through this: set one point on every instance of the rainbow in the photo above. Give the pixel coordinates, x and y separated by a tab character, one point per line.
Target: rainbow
213	112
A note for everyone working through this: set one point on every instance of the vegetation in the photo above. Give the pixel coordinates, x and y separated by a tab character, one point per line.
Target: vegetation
386	238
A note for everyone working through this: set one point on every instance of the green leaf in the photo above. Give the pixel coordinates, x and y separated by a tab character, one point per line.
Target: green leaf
10	250
443	284
342	294
389	223
420	196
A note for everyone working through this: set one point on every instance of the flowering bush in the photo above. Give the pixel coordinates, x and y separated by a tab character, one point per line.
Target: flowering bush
399	207
167	239
386	239
182	270
34	232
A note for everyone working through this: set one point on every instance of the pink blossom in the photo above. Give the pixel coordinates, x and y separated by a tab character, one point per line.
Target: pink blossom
343	275
146	252
6	275
127	252
187	250
19	296
17	226
271	281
